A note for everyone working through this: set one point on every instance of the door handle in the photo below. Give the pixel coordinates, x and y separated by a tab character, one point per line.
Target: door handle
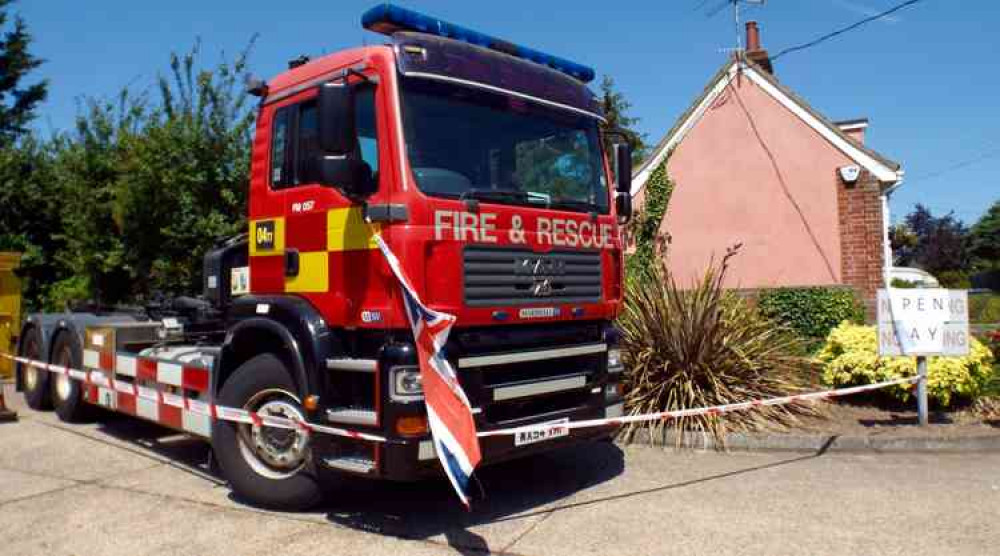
291	262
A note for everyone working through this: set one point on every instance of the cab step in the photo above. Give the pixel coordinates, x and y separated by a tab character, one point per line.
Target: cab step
353	464
365	416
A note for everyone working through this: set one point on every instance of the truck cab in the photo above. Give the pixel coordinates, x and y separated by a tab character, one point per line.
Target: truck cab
481	165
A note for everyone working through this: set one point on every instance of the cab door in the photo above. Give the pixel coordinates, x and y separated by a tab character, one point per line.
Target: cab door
321	239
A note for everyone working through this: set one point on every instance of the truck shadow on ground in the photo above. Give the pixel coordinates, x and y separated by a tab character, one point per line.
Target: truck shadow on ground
178	450
517	490
504	491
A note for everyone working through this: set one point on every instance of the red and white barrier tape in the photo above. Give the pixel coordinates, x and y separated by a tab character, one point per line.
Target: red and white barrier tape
714	410
223	413
243	416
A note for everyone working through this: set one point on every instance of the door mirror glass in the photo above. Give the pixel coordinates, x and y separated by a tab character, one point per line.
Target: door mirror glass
342	161
623	167
337	133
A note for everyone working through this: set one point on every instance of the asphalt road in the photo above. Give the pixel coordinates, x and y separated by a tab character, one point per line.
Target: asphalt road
124	487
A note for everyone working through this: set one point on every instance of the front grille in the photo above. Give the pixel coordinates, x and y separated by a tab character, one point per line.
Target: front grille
501	276
507	413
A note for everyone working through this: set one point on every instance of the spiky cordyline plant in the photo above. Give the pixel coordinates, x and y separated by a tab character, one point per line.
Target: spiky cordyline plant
703	346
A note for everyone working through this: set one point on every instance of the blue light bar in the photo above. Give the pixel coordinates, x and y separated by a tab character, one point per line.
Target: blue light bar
388	19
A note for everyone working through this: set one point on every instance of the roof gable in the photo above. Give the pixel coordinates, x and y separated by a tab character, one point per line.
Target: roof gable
882	168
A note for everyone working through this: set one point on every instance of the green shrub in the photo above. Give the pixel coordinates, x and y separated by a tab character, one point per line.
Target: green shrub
645	226
703	346
903	284
811	312
984	308
850	358
954	279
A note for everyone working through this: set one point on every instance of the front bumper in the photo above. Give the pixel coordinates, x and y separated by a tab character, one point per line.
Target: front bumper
410	460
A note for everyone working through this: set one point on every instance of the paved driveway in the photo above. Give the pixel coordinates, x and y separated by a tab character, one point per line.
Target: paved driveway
123	487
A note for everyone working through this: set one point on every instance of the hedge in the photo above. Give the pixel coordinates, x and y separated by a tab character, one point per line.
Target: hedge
850	357
812	311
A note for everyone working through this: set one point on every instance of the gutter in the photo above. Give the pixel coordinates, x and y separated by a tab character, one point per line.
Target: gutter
886	244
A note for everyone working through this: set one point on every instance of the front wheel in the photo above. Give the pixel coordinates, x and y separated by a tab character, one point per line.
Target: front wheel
270	467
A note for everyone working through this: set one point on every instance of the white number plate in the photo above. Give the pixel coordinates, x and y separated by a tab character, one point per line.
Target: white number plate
530	437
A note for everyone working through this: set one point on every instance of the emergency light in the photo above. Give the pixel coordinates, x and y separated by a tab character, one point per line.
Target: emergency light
388	19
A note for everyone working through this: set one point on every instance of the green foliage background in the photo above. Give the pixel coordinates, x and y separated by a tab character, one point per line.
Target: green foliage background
811	312
645	226
124	205
850	357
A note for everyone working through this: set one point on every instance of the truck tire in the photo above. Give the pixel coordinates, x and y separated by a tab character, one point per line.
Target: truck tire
269	467
35	382
67	394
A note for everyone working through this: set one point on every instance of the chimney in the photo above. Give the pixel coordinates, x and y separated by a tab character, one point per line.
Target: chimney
855	129
754	52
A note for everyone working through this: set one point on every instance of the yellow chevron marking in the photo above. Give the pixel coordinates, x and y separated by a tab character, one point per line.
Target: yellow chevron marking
346	230
313	274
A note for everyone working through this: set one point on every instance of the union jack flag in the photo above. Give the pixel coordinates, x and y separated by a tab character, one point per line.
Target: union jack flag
448	411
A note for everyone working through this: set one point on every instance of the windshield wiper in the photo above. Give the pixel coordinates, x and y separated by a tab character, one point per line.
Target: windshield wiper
494	195
576	204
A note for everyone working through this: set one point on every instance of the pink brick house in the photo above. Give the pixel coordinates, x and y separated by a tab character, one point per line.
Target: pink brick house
754	164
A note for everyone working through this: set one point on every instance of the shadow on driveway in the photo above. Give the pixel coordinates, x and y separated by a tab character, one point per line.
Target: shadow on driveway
514	490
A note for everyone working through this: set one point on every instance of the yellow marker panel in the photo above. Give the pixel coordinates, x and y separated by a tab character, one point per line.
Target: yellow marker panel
346	230
313	274
267	236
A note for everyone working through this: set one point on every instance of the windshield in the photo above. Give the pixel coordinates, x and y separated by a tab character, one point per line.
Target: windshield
470	144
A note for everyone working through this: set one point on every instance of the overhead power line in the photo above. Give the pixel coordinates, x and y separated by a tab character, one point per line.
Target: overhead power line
992	153
850	27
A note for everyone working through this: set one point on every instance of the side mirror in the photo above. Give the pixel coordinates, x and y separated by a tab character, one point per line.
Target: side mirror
339	163
623	167
337	129
623	185
349	174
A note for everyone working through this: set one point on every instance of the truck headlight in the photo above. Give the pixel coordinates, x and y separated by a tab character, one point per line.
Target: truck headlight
407	385
615	364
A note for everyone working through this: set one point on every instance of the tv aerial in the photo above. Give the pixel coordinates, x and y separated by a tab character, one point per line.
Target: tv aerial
736	7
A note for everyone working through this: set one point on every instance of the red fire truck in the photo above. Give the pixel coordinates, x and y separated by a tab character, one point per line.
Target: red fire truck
480	164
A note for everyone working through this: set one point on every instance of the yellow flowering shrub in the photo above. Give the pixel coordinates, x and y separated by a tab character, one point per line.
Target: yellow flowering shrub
850	358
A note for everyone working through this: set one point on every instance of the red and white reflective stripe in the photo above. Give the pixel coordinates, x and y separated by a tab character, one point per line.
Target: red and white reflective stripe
125	365
714	410
144	395
179	411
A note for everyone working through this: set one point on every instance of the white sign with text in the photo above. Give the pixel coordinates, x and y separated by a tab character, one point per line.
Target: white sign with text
923	322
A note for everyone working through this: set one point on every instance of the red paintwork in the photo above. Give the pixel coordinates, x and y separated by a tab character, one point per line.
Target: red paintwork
360	280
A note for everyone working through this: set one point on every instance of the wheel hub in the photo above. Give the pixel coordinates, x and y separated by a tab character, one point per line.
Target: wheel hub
274	452
282	448
30	377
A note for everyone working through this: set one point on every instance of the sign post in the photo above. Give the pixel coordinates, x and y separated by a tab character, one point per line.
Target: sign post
922	390
922	322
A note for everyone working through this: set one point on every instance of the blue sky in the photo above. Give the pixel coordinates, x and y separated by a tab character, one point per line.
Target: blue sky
927	77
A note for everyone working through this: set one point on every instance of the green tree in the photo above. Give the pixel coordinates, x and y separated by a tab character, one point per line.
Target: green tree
151	182
984	238
616	111
185	176
940	245
31	214
17	101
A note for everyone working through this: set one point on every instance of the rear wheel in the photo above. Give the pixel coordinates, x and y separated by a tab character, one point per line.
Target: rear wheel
35	381
67	394
270	467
